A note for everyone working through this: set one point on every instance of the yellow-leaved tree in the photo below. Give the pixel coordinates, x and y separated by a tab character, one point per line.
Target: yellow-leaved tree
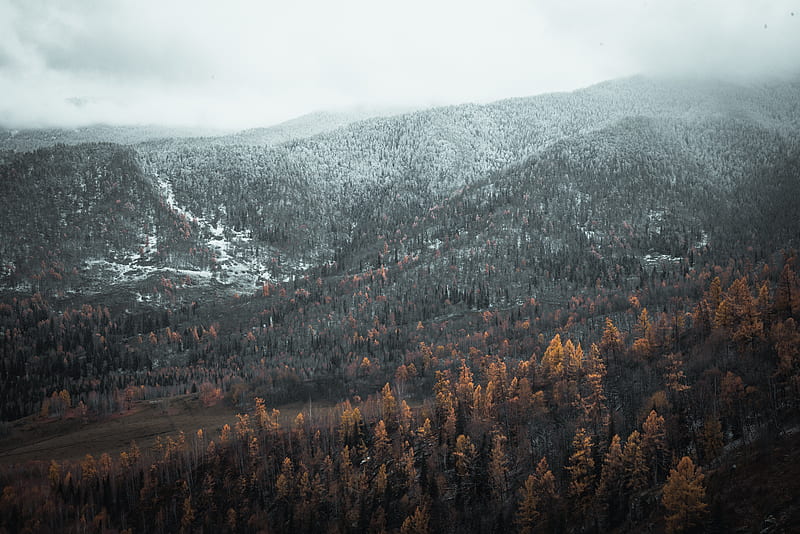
684	496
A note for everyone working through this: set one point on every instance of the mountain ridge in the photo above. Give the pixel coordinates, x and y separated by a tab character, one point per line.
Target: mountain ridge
316	199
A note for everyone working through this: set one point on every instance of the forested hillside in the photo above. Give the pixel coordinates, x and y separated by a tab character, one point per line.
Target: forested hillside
566	313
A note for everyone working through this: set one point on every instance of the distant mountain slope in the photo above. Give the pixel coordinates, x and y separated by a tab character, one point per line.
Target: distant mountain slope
631	172
86	210
352	175
304	126
612	207
27	140
301	127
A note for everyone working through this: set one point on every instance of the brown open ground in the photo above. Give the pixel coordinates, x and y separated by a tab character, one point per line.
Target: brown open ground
71	438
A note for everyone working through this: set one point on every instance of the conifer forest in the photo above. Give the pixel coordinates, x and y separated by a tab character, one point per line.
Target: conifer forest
576	312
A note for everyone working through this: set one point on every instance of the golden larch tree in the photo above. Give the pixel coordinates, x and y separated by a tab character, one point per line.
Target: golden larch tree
553	359
654	443
537	500
581	471
464	455
684	496
417	523
611	342
634	464
388	405
498	466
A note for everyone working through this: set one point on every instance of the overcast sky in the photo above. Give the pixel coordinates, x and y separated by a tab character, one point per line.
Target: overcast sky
235	64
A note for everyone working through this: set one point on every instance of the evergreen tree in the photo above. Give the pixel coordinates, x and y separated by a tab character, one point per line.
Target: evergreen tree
610	489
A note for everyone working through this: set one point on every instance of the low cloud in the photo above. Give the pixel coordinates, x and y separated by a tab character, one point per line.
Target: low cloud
239	64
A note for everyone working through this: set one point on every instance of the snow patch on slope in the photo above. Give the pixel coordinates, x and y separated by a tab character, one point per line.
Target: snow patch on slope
231	268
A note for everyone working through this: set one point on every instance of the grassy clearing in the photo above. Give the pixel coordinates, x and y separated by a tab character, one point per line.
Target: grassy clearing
71	438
